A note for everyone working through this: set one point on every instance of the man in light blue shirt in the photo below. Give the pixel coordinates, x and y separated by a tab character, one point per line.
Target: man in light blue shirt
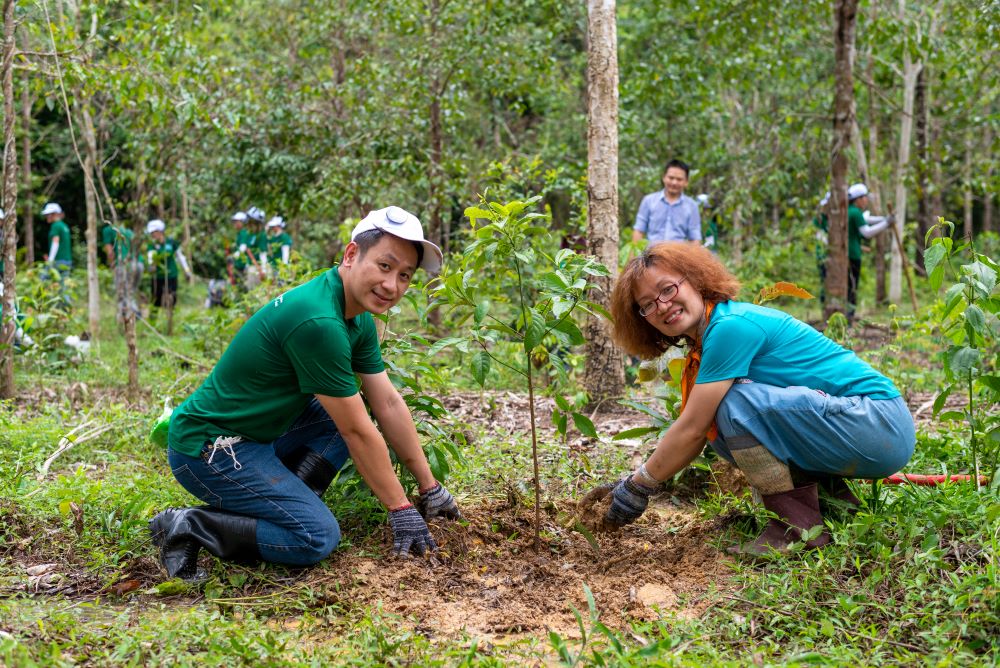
669	214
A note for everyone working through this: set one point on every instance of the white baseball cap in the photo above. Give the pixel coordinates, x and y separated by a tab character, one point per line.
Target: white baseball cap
155	225
2	214
826	198
51	207
255	214
240	216
403	224
856	191
703	199
277	221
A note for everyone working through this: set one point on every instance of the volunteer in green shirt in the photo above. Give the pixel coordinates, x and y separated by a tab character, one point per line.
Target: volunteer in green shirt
262	438
60	253
256	244
117	244
163	254
859	224
236	250
279	242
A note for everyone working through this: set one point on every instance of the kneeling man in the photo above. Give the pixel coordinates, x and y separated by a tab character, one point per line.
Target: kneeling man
279	415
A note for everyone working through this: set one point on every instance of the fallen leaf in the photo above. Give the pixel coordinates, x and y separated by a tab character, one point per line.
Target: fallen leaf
125	587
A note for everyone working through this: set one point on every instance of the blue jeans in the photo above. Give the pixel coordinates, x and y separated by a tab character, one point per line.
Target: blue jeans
294	526
849	437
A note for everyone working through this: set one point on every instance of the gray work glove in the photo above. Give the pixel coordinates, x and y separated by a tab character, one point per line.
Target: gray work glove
410	532
438	502
628	501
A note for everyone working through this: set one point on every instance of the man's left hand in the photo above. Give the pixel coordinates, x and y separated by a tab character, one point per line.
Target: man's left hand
438	502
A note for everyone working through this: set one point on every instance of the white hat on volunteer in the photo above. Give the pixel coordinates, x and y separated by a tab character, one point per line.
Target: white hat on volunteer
277	221
826	198
856	191
703	199
51	207
2	214
240	216
155	225
403	224
253	213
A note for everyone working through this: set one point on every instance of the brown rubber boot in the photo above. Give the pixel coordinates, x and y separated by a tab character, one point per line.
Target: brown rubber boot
838	490
797	510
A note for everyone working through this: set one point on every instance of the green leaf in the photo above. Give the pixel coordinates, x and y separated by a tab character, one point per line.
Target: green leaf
569	328
481	309
584	425
932	263
992	382
481	367
941	398
951	416
964	360
533	331
561	402
976	319
578	526
635	432
441	344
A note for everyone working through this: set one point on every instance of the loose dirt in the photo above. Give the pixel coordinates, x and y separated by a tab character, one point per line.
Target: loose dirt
489	581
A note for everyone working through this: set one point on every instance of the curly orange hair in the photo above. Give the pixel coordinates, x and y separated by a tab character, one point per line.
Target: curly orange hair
698	265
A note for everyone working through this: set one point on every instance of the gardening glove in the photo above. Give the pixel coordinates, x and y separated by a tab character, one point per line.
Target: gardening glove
438	502
410	532
628	501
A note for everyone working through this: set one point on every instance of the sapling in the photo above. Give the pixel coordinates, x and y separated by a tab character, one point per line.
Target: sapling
505	262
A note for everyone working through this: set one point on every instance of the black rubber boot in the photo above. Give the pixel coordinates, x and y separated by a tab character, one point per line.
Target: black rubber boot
180	533
311	468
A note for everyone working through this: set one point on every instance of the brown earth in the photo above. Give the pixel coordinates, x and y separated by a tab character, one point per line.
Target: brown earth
490	581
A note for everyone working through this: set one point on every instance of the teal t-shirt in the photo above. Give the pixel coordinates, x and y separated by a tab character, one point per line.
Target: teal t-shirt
274	244
855	221
769	346
242	240
60	229
296	346
120	240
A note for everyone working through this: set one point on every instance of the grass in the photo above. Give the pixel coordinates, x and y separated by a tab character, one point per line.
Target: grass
912	578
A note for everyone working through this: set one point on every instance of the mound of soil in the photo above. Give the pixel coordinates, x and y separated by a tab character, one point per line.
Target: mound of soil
489	580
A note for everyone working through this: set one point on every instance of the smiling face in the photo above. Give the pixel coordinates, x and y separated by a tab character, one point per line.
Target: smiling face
675	180
377	279
683	315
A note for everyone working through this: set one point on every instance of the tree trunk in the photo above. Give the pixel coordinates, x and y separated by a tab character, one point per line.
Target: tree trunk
90	163
604	375
987	192
29	215
925	219
186	222
845	13
869	176
910	71
967	188
8	323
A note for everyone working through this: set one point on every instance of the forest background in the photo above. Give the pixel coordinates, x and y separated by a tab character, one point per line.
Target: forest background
320	111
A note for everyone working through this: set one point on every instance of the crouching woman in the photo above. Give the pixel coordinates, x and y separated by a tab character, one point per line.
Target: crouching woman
788	406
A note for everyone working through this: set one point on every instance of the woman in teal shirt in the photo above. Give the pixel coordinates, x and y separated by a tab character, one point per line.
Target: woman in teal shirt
788	406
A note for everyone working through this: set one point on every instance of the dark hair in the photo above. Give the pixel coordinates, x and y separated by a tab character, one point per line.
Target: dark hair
694	262
679	165
369	238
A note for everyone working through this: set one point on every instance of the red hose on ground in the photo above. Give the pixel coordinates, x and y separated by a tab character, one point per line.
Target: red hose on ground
929	480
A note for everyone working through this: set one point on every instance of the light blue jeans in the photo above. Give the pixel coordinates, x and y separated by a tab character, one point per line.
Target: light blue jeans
294	526
849	437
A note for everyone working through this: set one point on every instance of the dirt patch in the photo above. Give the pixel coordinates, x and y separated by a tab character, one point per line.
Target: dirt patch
491	582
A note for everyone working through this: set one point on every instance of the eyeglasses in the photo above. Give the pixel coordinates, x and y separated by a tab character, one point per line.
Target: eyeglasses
666	295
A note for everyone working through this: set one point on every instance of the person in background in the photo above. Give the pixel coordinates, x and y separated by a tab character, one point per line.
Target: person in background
163	254
822	224
788	406
236	250
60	255
860	224
279	242
287	405
669	214
256	245
117	244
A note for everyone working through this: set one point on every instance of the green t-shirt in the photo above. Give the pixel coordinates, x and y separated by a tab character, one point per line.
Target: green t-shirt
274	244
855	221
164	264
120	239
242	241
296	346
61	229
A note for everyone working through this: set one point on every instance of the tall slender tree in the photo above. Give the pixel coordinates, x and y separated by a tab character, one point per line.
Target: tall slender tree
8	327
604	375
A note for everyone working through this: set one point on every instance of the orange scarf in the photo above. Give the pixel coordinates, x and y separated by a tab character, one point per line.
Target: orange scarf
691	363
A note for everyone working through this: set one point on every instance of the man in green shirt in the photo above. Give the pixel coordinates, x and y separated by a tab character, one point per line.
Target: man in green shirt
822	225
163	255
279	415
117	244
60	255
859	224
256	245
236	251
279	243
